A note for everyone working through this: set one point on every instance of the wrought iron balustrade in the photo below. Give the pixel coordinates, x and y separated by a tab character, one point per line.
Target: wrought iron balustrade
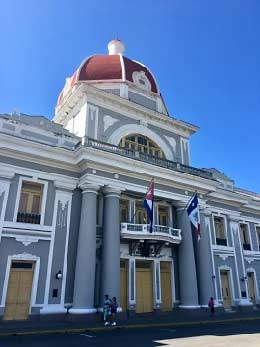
130	153
221	242
143	230
247	246
32	218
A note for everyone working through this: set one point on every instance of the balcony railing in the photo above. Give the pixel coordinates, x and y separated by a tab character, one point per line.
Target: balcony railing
141	231
221	242
23	217
130	153
247	246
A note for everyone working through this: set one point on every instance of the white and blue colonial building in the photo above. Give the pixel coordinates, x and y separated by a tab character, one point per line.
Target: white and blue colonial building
73	226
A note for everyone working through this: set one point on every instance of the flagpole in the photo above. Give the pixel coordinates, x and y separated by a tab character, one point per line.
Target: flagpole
185	208
133	218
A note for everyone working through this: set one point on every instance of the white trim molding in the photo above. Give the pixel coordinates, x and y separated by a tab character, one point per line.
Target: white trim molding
64	198
4	189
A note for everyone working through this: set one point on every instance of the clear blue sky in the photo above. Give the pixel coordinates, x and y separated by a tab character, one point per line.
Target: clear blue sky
204	54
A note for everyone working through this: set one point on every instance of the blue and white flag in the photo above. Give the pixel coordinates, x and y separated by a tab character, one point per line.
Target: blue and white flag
194	214
148	204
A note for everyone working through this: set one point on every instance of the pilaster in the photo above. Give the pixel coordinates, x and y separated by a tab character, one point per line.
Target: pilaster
57	260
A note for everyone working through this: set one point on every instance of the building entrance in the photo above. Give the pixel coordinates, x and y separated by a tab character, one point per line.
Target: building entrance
123	284
144	286
166	287
251	287
18	296
225	289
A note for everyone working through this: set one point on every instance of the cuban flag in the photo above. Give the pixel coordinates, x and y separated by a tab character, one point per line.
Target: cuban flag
148	203
193	213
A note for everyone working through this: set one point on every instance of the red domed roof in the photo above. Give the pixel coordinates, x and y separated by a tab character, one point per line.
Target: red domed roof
113	67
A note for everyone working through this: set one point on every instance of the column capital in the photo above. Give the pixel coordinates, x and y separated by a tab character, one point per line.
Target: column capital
234	218
87	187
6	172
180	205
205	211
111	191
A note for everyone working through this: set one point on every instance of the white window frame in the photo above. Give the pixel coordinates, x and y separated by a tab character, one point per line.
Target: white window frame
252	270
249	235
43	201
230	280
169	211
123	197
225	228
257	237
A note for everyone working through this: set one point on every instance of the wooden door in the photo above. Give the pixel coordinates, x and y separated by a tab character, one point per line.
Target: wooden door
251	287
18	297
166	287
123	284
225	288
144	287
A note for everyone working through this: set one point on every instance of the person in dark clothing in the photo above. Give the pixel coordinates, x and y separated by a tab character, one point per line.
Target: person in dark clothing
211	305
113	310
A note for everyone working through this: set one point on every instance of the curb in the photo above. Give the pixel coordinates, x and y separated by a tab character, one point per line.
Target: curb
126	327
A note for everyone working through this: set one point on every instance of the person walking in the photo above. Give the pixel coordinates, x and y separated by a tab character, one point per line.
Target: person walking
211	305
107	310
113	306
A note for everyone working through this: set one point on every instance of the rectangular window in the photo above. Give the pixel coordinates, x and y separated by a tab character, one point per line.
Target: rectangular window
29	210
163	215
124	211
258	236
140	213
219	224
244	235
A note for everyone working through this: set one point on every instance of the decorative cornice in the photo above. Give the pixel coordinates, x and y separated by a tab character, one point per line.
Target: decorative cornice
26	240
6	173
122	105
63	182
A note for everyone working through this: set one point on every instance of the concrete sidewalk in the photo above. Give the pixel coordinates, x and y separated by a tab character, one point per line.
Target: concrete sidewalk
94	323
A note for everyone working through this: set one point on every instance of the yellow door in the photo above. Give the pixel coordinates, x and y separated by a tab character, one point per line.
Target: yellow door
123	284
225	289
251	287
18	297
144	287
166	288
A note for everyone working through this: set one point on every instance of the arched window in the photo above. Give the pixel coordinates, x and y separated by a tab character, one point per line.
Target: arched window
141	144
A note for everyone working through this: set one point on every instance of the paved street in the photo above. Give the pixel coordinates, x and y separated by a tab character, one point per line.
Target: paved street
213	335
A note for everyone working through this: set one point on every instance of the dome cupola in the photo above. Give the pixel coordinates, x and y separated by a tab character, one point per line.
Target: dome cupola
113	68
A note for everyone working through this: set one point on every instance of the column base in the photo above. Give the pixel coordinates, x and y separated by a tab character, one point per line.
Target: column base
53	309
82	310
100	309
189	307
245	302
